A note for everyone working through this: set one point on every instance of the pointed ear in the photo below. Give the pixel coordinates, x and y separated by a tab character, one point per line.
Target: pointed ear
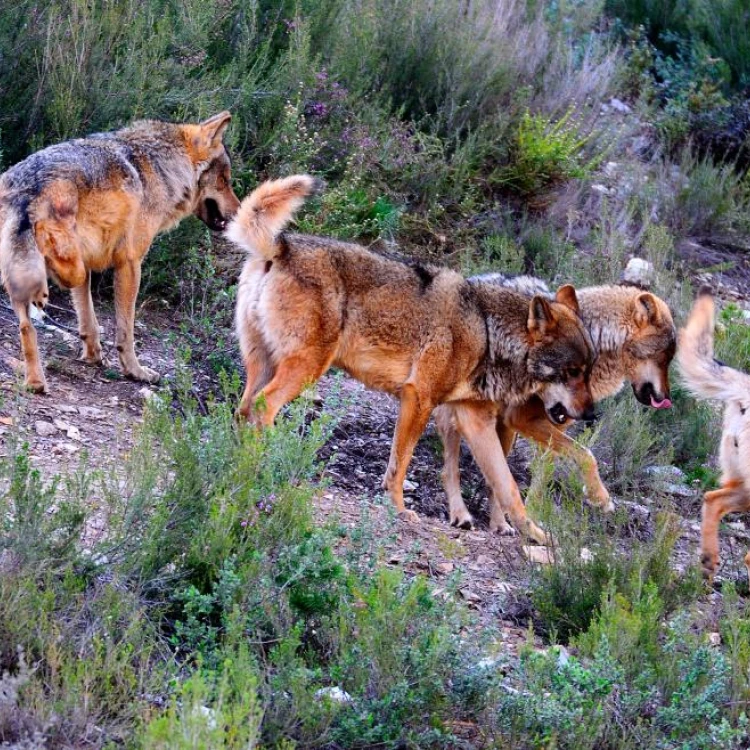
213	129
566	295
646	310
541	318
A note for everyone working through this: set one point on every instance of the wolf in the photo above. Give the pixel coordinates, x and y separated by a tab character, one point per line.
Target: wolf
707	378
98	202
635	339
419	332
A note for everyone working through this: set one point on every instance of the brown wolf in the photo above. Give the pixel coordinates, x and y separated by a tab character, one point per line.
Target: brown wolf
709	379
635	339
422	333
98	202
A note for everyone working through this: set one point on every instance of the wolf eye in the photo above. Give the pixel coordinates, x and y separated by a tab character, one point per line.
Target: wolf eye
574	372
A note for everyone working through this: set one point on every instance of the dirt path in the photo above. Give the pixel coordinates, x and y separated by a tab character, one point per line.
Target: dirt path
93	410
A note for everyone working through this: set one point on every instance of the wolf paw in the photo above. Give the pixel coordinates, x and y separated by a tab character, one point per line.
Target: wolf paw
462	520
502	528
600	499
409	516
709	564
145	374
36	385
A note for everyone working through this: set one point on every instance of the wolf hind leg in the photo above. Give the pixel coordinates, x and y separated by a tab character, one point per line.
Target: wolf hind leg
34	374
292	374
733	497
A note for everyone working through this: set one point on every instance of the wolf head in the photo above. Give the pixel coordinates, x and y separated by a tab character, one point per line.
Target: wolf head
215	202
561	356
649	350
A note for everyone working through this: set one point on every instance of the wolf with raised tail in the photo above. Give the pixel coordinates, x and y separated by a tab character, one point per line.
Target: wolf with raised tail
98	202
709	379
419	332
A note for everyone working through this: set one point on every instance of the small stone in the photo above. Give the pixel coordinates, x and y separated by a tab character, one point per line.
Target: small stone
470	596
410	486
638	272
586	554
714	639
485	561
619	106
678	490
91	412
737	525
45	429
601	189
445	567
67	409
147	394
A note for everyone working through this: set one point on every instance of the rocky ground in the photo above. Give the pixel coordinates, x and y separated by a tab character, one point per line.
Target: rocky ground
92	410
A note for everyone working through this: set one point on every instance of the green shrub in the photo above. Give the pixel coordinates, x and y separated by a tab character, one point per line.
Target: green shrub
545	153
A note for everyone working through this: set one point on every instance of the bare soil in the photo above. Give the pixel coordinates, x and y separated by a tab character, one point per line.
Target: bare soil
93	410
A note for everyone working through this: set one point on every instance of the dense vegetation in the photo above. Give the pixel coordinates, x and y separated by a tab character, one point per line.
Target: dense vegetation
552	137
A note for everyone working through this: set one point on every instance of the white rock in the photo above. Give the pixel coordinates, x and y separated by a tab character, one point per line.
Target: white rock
334	694
410	486
639	272
146	393
714	639
679	490
665	472
601	189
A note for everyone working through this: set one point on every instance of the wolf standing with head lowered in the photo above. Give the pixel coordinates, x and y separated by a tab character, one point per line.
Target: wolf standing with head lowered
422	333
635	339
98	202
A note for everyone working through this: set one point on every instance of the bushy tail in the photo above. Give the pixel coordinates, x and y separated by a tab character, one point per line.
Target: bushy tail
701	373
266	211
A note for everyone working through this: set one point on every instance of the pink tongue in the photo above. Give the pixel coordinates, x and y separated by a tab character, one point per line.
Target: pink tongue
663	404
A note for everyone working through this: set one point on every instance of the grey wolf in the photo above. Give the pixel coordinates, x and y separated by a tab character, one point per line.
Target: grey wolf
420	332
707	378
98	202
635	338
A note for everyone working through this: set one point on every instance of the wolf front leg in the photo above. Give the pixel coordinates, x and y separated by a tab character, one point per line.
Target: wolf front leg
477	423
127	283
412	419
88	325
532	422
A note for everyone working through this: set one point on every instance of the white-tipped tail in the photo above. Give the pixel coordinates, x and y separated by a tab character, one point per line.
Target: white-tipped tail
702	374
266	211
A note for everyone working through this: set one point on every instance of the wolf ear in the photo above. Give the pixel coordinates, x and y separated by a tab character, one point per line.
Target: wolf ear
212	130
646	310
566	295
541	318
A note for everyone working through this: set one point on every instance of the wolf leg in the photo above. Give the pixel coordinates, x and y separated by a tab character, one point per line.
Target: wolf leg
731	498
34	378
451	439
412	419
127	282
292	374
537	427
88	325
478	425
